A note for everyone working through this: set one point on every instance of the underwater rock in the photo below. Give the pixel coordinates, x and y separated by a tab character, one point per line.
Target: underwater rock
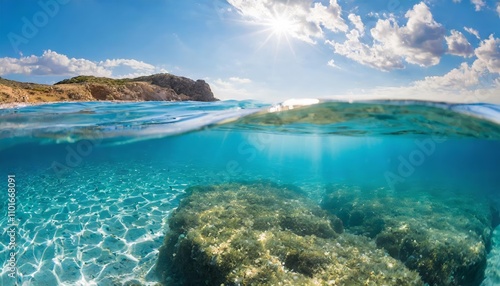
265	234
443	236
492	272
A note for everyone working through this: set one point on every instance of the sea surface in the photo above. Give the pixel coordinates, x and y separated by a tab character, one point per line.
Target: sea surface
90	186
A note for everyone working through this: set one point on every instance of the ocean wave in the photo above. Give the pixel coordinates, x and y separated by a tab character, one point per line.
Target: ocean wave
70	122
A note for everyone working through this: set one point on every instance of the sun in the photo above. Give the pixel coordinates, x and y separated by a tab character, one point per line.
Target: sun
277	27
281	25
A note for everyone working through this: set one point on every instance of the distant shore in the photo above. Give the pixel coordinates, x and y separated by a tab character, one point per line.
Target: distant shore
157	87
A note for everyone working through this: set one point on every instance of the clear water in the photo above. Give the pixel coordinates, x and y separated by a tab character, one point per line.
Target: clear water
96	182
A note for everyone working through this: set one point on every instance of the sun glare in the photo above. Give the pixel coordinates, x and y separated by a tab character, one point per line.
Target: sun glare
278	27
281	26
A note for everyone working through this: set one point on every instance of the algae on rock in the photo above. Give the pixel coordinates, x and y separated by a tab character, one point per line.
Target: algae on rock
444	236
265	234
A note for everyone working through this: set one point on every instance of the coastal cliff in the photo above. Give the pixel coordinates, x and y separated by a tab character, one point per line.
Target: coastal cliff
157	87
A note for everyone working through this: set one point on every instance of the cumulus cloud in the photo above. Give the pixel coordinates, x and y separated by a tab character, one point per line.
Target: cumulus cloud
478	4
498	8
240	80
241	88
231	88
475	82
464	76
389	44
50	63
472	32
469	76
458	44
357	22
328	16
467	83
331	63
53	63
135	64
418	42
488	54
308	19
450	94
376	56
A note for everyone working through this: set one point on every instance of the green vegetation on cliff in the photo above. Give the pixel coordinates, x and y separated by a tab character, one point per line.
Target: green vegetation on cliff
93	79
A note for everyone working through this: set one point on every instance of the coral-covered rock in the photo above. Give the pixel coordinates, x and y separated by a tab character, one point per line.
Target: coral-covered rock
444	236
264	234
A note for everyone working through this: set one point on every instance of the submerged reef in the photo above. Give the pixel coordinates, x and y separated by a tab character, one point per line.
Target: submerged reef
266	234
444	236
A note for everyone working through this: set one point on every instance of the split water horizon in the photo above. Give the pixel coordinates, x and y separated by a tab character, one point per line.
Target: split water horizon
167	193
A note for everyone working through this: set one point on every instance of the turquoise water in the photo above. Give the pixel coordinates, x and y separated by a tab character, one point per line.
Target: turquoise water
95	183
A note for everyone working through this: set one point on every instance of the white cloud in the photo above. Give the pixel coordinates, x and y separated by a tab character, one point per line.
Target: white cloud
488	54
481	94
356	21
229	89
50	63
418	42
467	83
330	17
53	63
485	70
462	77
472	32
331	63
498	8
458	44
134	64
477	82
478	4
308	20
240	80
376	56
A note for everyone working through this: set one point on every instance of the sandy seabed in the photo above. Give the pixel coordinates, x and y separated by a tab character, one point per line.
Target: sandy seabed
92	227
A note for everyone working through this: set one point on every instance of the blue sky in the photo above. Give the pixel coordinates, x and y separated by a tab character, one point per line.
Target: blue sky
262	49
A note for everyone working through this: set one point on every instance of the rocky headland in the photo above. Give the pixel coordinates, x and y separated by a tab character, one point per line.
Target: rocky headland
157	87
